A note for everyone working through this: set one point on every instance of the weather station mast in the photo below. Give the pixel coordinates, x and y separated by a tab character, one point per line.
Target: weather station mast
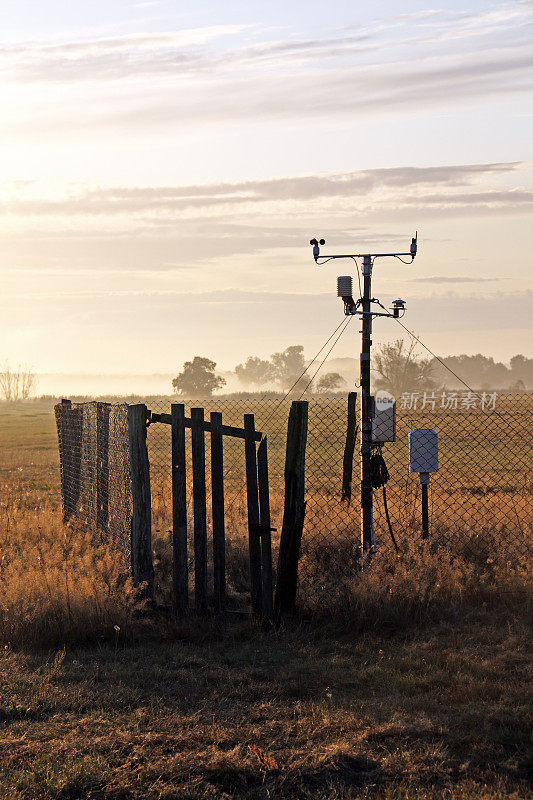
363	307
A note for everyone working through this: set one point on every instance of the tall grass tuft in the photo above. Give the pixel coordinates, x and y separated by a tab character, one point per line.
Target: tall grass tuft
426	582
58	584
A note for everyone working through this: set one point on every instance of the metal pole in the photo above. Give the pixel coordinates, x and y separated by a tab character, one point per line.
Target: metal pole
424	482
366	409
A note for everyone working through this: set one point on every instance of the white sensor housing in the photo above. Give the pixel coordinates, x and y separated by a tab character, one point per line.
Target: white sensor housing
423	450
384	419
344	286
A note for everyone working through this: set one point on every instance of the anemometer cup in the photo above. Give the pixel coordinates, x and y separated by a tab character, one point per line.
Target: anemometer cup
316	249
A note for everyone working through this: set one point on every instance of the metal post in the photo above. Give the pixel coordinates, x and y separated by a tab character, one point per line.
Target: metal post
424	482
366	409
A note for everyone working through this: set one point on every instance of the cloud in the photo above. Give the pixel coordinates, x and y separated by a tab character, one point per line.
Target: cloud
132	55
233	72
398	181
233	310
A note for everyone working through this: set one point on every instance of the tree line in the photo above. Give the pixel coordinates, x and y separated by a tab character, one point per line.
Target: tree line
397	367
283	371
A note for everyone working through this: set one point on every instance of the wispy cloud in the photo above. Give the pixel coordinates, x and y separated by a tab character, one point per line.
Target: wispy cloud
237	72
413	185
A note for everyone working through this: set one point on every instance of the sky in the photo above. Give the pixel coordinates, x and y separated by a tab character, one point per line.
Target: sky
162	171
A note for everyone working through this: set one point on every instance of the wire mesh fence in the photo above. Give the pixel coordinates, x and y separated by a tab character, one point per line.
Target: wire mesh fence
479	499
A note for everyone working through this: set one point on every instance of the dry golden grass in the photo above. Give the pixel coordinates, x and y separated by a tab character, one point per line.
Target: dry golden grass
57	584
419	689
306	712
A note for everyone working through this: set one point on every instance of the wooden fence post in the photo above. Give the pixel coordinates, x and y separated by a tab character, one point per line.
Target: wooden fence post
180	570
252	498
349	448
141	523
294	509
217	501
200	513
102	465
266	536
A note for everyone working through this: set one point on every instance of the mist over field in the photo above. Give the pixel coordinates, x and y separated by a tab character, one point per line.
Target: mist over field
494	375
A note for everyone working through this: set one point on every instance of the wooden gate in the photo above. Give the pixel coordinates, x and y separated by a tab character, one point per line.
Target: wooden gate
258	506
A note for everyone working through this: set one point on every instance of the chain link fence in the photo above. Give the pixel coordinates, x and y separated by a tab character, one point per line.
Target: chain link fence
479	499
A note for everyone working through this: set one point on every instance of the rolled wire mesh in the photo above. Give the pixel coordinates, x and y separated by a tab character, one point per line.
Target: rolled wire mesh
95	470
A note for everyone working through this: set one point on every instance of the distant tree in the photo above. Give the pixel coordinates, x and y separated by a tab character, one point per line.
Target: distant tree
481	372
288	365
16	384
255	372
401	369
522	370
330	382
198	378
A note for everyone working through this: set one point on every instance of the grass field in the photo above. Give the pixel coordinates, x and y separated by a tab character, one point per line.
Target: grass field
421	690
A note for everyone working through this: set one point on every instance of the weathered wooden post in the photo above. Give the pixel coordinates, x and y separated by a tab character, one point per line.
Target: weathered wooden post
349	448
200	513
293	511
141	523
252	499
102	465
217	503
180	571
266	536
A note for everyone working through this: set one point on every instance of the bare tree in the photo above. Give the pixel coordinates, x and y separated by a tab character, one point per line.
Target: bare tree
401	369
16	384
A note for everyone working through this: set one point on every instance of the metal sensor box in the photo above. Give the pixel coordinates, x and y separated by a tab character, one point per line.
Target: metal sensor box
423	450
344	286
384	418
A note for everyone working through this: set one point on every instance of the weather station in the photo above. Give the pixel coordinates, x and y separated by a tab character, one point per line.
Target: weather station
373	469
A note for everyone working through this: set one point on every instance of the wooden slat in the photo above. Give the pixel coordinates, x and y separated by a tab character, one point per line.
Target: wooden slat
266	535
180	571
293	511
199	503
349	448
227	430
141	525
217	500
252	497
